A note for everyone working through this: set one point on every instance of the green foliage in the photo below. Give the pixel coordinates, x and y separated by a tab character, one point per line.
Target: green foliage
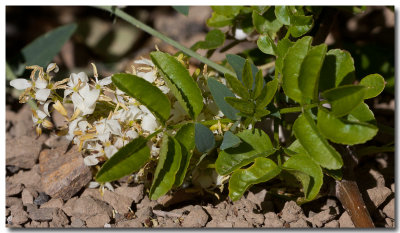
344	99
308	172
180	82
127	160
315	144
262	170
266	23
374	83
214	39
182	9
267	45
138	88
230	140
219	91
185	136
43	49
254	144
167	167
344	131
237	63
204	138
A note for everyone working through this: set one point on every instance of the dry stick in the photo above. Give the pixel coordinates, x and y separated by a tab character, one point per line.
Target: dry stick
346	190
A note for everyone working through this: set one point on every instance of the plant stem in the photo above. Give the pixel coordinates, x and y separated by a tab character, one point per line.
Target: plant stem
168	40
299	108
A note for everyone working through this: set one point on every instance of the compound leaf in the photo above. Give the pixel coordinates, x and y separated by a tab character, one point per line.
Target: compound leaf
237	86
219	91
267	94
243	106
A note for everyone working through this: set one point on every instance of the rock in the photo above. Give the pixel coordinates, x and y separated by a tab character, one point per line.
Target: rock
17	215
323	217
63	174
393	188
219	215
135	193
380	179
291	212
95	193
98	220
86	207
12	169
31	208
389	222
53	203
219	224
26	197
30	179
69	205
378	195
272	220
36	224
59	219
345	221
14	201
332	224
169	223
196	218
254	219
146	202
300	223
257	198
22	124
23	151
389	209
45	214
241	223
13	188
41	198
8	212
77	223
133	223
144	213
120	203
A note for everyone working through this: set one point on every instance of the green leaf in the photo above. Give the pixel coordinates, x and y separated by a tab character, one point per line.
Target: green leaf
308	172
43	49
237	86
362	113
243	106
185	136
266	23
338	69
218	20
127	160
282	48
247	75
262	170
145	93
292	66
344	99
182	9
214	39
310	70
335	174
267	94
180	82
204	138
315	144
374	83
167	167
260	113
343	131
300	25
237	63
260	9
259	84
230	140
282	14
266	45
219	91
255	143
227	10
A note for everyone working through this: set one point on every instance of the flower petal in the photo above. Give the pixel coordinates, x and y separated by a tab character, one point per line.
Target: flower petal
90	160
144	61
110	151
41	83
149	123
42	94
20	83
105	81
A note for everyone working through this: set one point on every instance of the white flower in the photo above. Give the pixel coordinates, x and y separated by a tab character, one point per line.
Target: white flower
149	123
74	83
104	82
93	185
164	89
240	34
110	150
85	100
132	134
20	83
52	67
177	112
90	160
144	61
73	125
148	76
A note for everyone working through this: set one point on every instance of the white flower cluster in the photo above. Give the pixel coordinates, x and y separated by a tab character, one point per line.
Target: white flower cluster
104	118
